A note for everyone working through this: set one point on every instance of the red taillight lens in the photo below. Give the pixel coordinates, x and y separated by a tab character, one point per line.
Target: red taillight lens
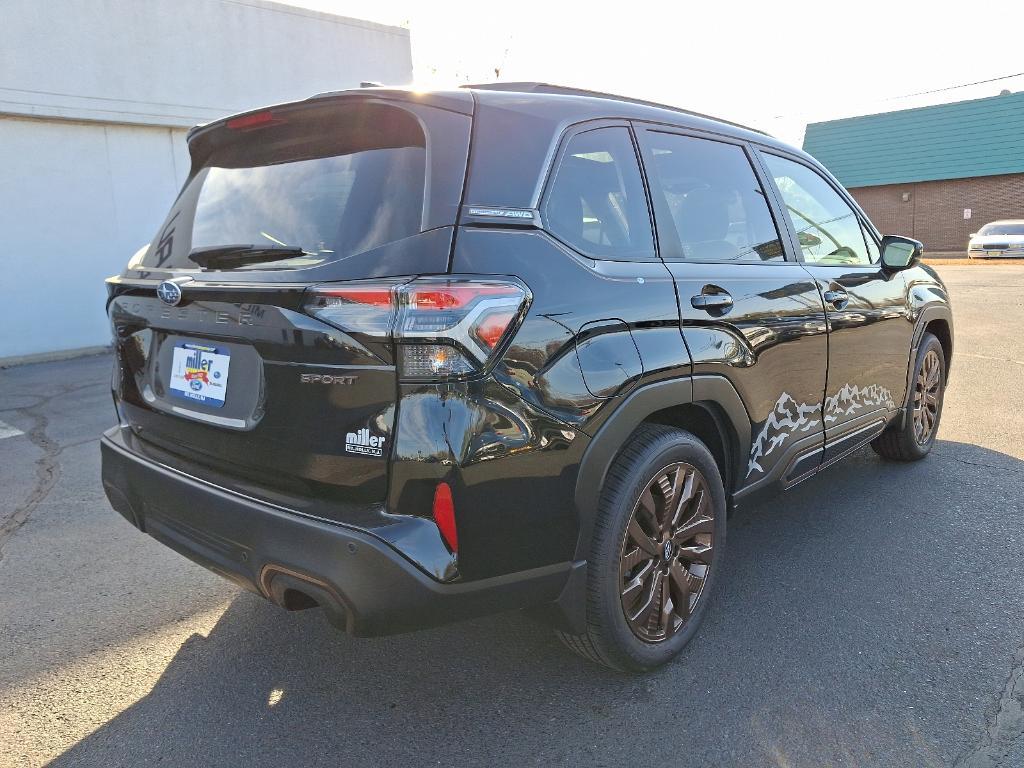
372	295
492	327
368	308
455	296
444	516
447	327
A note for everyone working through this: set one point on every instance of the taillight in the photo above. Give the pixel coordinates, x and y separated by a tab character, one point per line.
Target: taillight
355	307
445	327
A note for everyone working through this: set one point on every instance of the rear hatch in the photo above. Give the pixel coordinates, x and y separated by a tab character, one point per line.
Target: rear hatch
220	369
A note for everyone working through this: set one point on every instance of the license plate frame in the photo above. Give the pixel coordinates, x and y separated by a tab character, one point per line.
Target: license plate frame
199	373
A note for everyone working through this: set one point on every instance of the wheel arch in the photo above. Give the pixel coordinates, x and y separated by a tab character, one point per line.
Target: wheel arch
710	425
707	406
936	319
941	328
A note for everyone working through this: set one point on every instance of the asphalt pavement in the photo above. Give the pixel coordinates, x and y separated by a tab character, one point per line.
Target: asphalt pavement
870	617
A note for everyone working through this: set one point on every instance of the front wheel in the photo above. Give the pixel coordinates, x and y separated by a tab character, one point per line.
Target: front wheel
913	438
659	537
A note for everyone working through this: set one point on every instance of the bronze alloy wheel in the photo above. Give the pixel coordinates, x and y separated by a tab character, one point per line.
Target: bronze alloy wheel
927	397
666	553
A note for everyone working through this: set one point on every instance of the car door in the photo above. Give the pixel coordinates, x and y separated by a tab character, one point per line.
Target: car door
870	324
751	315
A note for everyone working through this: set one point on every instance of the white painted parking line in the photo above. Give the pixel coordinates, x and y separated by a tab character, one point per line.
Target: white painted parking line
6	430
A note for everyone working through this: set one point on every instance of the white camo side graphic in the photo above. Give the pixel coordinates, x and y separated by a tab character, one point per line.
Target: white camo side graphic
790	417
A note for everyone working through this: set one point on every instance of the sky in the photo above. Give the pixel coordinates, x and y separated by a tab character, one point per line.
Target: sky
773	66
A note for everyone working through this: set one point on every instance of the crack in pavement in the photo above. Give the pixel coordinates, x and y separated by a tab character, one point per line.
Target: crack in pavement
990	357
47	465
944	455
1005	727
47	473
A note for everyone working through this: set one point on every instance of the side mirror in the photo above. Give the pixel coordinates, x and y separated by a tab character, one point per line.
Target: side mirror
900	252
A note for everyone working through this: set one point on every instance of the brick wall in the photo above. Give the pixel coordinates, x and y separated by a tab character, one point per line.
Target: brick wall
934	213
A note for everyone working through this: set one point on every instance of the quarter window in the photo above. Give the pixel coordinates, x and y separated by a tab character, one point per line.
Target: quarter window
708	201
596	202
827	228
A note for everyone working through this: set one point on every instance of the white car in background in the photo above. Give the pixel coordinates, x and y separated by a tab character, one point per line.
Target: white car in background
1003	239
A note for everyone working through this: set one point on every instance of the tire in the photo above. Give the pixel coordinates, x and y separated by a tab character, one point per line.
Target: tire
663	464
907	439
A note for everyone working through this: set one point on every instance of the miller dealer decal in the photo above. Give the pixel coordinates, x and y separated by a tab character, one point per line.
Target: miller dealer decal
364	443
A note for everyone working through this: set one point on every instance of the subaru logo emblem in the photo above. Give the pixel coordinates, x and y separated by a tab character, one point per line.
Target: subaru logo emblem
667	550
169	293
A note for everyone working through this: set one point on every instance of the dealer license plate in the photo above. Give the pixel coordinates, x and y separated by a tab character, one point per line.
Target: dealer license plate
199	372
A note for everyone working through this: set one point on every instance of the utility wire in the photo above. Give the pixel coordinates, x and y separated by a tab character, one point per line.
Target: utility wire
953	87
911	95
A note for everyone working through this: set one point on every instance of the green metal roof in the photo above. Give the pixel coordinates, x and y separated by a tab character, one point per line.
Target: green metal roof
981	137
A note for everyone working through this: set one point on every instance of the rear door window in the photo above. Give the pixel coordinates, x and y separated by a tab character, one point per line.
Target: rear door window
596	201
708	202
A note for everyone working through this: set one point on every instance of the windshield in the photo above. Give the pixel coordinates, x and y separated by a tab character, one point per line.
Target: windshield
332	189
1001	228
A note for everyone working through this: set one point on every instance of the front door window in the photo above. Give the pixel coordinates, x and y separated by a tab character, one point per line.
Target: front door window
826	227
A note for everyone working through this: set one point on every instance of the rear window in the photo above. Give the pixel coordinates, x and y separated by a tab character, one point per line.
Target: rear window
997	228
333	183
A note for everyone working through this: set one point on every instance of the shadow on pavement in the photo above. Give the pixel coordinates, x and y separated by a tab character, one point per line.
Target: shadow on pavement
836	639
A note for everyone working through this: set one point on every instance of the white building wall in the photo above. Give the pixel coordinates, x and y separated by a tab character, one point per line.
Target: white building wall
77	200
95	100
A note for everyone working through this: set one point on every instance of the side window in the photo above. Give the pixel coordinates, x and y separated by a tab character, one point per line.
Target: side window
596	200
826	226
708	202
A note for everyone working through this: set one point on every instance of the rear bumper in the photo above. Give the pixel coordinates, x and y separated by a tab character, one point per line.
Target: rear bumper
364	585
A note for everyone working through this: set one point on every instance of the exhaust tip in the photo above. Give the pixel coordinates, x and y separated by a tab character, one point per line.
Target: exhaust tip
295	591
295	600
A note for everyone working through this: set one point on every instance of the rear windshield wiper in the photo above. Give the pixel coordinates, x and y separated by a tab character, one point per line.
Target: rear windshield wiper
231	256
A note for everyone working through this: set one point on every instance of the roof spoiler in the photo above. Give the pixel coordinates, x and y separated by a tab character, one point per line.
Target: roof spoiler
453	101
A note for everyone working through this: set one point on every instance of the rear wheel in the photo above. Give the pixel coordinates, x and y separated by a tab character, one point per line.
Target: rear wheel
913	439
658	542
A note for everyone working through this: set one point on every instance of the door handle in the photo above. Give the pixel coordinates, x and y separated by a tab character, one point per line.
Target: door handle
836	297
711	301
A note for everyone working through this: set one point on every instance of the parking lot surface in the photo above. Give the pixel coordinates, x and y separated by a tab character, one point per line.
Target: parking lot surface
870	617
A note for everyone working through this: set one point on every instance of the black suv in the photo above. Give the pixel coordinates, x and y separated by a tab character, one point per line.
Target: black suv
413	357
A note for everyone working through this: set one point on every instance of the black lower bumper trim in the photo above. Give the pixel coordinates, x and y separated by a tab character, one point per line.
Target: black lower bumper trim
363	583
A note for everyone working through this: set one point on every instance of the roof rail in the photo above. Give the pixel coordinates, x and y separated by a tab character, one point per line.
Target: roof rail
537	87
